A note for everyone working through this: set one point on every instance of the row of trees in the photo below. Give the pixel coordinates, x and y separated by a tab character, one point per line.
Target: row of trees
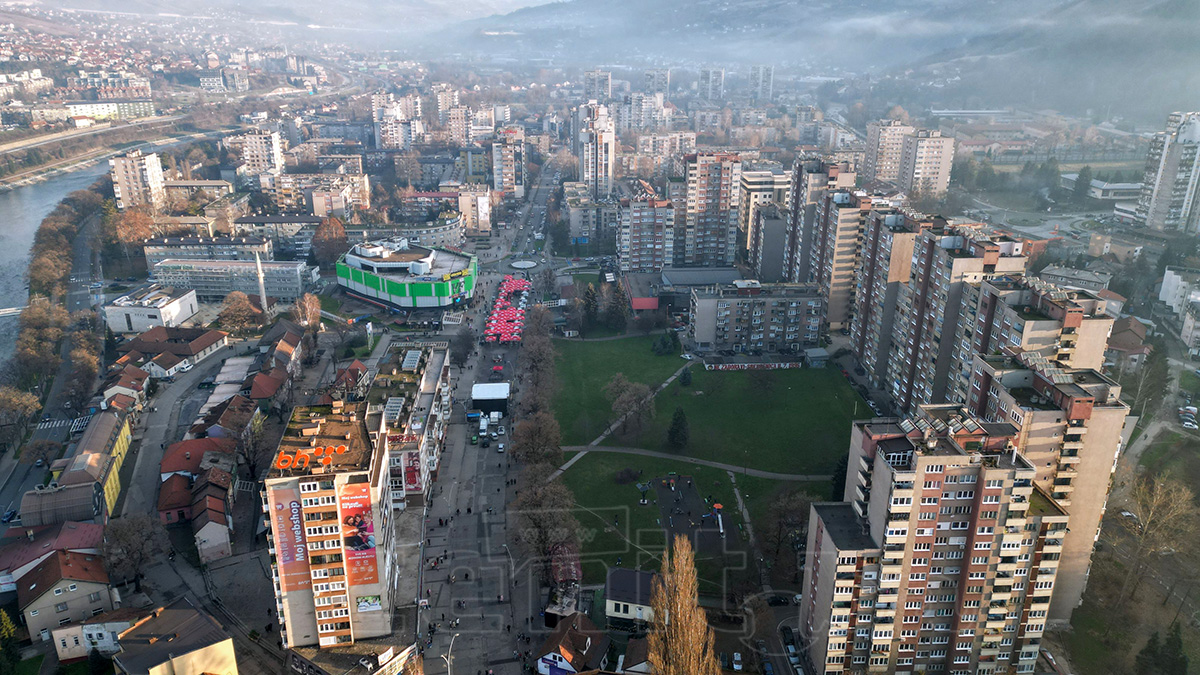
548	528
608	306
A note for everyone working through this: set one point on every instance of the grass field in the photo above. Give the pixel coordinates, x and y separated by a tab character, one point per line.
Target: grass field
1174	452
583	370
30	666
787	421
600	497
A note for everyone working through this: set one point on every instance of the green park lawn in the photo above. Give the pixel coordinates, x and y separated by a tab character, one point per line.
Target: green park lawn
786	421
1178	453
639	538
30	666
584	368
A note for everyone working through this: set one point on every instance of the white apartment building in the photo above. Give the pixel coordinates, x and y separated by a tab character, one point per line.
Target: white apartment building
925	161
138	180
885	146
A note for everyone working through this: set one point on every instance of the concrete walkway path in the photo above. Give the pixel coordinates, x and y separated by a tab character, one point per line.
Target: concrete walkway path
582	450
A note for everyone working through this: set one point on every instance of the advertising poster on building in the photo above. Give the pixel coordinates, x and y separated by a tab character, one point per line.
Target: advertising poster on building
369	603
358	533
287	527
412	472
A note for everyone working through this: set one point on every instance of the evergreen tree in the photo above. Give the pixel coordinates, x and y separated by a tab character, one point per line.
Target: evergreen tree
1146	662
685	378
1082	183
616	314
677	434
591	305
683	643
1172	659
838	484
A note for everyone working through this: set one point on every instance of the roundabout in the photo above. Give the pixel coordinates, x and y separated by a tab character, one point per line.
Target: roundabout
523	264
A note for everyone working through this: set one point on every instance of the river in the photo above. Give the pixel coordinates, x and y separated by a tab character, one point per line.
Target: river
21	211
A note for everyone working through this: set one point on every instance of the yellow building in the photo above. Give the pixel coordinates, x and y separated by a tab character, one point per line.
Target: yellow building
100	454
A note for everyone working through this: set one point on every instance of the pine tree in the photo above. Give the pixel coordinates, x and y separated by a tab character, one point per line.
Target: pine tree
1172	659
677	434
1146	662
680	642
591	305
685	378
1083	182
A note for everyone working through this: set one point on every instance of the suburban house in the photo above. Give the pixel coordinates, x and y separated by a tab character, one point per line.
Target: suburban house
190	345
1127	347
56	503
130	381
229	419
64	587
75	640
349	383
627	595
197	487
23	548
575	646
177	639
266	386
212	514
281	345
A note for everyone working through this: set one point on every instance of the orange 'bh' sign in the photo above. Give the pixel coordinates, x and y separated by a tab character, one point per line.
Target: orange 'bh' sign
297	460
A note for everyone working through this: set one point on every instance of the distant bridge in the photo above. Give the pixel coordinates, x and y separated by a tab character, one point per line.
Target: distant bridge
11	311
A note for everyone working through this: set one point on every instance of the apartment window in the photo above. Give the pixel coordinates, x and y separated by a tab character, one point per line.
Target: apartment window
58	591
93	597
60	607
72	587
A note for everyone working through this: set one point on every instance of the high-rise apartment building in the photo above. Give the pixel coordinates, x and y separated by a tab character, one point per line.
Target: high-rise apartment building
768	243
325	503
1026	314
458	123
596	148
762	82
597	85
943	558
810	180
508	162
925	160
885	145
138	180
1170	198
837	231
260	150
445	97
885	262
945	260
646	235
1069	423
711	86
657	81
748	315
759	188
709	232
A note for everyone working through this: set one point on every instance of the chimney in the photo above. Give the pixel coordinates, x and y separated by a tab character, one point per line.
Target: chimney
29	533
187	455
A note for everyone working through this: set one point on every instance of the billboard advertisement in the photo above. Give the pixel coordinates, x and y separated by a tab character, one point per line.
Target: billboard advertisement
287	527
413	482
358	533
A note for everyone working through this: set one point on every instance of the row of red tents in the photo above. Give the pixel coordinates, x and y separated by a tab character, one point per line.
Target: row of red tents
506	323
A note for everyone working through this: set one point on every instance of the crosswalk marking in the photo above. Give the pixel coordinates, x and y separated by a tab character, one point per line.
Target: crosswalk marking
53	424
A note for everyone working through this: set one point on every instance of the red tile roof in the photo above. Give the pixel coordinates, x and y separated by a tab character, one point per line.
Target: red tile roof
175	493
179	341
17	548
62	565
233	414
185	456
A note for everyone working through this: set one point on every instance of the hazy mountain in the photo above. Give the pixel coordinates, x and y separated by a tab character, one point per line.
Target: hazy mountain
404	17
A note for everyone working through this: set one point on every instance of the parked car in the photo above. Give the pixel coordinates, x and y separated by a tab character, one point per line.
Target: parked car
760	646
737	661
788	637
185	366
500	447
40	462
9	516
474	439
500	431
776	600
767	668
1190	425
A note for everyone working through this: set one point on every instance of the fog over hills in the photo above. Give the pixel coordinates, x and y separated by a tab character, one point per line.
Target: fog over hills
1128	57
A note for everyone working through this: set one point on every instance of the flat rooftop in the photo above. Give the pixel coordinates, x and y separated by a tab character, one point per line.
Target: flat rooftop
153	295
232	264
844	526
323	439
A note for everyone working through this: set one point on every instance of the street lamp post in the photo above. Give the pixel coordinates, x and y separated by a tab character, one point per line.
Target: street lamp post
512	568
449	653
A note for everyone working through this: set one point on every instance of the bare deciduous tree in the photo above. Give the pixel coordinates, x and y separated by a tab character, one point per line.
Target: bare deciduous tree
130	543
237	312
680	642
306	311
1164	513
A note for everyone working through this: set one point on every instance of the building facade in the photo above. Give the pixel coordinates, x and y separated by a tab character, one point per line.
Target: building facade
768	243
811	179
508	162
150	306
747	315
260	150
944	556
762	82
597	85
646	235
1170	197
945	260
925	160
711	85
596	148
759	188
885	146
403	275
709	234
330	529
214	279
138	180
159	249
